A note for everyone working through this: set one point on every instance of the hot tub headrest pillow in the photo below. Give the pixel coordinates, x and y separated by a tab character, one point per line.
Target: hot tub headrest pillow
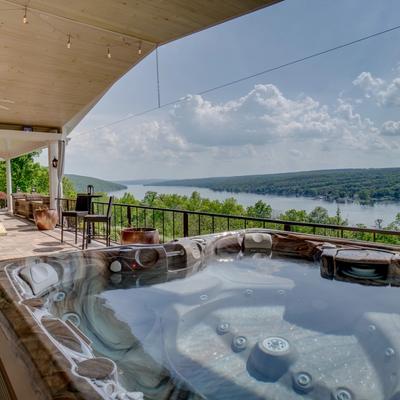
40	276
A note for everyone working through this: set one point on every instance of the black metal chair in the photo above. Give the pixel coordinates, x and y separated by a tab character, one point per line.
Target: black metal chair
81	209
88	225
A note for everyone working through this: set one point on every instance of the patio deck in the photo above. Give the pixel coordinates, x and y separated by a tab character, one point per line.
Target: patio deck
24	239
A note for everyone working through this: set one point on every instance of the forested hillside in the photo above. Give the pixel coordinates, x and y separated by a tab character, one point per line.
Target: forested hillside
80	183
364	185
28	176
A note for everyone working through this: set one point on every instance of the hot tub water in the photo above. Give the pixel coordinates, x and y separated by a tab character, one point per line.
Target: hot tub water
245	327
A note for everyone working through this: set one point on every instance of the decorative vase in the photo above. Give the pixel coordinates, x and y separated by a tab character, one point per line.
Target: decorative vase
46	219
140	235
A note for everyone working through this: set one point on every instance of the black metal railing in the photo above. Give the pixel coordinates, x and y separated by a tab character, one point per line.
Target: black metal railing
175	223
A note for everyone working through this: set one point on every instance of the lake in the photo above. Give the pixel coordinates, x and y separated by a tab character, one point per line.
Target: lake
355	213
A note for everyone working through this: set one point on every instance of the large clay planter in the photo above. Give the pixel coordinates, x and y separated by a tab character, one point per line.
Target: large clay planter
140	235
46	219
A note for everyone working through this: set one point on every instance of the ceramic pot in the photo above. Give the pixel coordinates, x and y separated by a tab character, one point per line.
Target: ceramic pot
46	219
140	235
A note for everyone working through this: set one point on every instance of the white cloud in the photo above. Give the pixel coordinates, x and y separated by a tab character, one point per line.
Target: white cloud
391	128
265	116
382	92
368	83
262	116
262	131
295	153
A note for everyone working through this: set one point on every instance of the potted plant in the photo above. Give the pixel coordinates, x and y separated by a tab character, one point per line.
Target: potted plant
140	235
45	218
3	199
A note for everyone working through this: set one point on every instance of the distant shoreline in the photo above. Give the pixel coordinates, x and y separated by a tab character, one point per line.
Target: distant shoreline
362	186
345	201
383	202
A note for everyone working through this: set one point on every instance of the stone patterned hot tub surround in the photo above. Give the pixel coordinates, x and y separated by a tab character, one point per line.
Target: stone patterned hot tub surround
53	349
51	375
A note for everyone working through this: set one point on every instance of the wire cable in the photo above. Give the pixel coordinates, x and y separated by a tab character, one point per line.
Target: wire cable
245	78
158	80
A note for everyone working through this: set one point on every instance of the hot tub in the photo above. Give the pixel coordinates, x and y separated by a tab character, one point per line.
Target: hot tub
253	314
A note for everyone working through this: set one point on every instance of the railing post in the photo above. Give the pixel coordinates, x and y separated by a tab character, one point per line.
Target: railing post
199	225
115	222
163	226
286	227
129	216
185	224
173	224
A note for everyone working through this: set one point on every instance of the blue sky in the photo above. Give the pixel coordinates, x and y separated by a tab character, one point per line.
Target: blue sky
339	110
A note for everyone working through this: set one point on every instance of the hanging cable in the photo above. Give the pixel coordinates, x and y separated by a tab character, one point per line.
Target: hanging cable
247	77
158	80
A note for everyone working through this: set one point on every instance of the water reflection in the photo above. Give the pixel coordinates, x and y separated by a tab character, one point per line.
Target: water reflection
195	337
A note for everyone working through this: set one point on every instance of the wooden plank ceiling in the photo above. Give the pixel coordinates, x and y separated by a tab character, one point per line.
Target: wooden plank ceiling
44	84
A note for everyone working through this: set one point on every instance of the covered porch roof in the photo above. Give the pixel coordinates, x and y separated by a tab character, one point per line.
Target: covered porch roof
54	63
58	58
16	142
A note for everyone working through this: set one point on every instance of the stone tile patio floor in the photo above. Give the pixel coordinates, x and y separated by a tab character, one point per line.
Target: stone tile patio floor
24	239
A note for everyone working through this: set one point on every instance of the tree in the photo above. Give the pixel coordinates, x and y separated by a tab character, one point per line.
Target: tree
28	174
231	206
294	215
259	210
128	198
319	215
150	198
68	188
338	219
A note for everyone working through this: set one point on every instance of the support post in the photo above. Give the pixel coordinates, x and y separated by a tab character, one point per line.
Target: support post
9	186
53	178
185	224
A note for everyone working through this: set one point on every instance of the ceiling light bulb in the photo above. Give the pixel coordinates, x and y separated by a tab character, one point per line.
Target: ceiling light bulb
25	19
69	42
108	53
140	48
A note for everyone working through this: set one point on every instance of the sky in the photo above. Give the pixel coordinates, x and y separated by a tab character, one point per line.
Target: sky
340	110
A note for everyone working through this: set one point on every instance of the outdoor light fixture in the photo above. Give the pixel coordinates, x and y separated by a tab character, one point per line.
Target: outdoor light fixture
54	162
69	36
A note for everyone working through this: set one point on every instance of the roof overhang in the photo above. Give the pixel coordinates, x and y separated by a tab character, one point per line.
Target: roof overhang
15	143
45	84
